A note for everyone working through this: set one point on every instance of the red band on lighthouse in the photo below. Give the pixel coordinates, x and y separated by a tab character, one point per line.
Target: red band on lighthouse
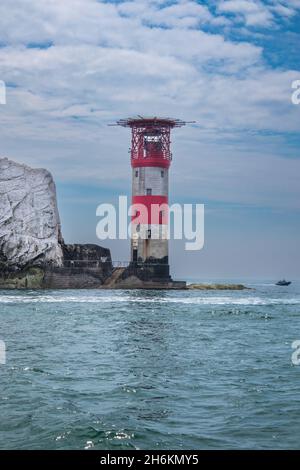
150	210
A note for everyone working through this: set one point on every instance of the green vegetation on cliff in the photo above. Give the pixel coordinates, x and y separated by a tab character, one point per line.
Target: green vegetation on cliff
31	278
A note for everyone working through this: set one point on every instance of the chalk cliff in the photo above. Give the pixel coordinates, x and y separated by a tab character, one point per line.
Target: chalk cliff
32	251
29	221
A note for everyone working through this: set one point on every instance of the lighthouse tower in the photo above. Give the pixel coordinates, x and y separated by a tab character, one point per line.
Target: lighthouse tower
150	161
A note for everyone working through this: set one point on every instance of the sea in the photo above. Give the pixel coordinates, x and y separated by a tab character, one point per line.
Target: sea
136	369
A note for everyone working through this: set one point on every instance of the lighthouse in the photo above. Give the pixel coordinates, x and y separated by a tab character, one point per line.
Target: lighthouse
151	158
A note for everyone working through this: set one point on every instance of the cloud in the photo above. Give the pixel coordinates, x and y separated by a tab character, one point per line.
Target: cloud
184	14
253	13
72	67
258	13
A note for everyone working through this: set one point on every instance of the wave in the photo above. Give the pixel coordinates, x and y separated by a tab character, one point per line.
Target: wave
220	300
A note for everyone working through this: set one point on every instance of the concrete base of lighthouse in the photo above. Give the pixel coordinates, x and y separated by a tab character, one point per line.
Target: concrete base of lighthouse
143	276
133	282
149	271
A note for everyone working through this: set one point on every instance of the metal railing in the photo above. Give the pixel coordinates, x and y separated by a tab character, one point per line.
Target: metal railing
121	264
85	263
137	264
115	263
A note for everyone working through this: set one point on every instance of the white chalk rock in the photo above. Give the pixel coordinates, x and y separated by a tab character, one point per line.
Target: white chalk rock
30	229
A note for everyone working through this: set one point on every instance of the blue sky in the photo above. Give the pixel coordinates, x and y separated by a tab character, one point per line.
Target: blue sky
74	66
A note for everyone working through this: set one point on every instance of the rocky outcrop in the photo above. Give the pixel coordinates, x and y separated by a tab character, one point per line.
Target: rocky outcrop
217	287
29	221
84	267
86	255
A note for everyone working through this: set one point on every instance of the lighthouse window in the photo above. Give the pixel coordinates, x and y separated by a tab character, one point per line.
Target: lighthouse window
136	173
161	214
162	173
149	233
149	191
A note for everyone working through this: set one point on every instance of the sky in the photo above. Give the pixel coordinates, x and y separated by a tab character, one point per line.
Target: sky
73	67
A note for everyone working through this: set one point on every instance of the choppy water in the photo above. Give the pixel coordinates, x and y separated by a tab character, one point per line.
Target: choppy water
148	369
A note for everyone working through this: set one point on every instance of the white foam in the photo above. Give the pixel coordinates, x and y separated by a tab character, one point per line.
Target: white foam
205	300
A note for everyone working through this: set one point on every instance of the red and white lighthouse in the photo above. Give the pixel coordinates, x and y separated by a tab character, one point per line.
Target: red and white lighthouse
150	160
